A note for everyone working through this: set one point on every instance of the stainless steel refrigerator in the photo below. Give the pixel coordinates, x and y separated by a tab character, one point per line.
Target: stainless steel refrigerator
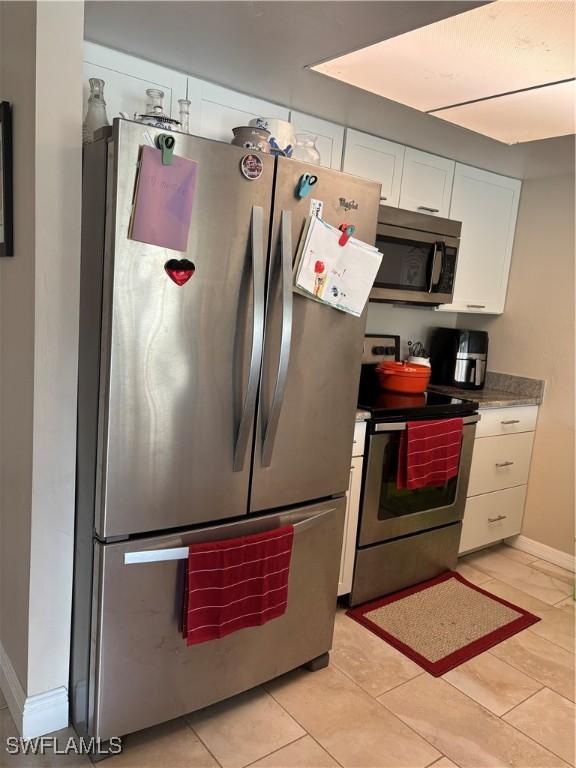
211	410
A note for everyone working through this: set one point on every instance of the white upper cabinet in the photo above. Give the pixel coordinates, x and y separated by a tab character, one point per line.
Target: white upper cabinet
426	183
126	79
377	159
329	137
222	109
487	205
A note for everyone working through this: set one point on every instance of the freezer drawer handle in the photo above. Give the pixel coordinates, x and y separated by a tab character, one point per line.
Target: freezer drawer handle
285	337
247	418
181	553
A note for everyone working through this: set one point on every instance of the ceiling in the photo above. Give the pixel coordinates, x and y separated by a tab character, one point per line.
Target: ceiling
264	48
493	69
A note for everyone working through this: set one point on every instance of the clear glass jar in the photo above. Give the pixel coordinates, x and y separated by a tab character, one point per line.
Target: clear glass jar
154	101
96	116
306	149
184	105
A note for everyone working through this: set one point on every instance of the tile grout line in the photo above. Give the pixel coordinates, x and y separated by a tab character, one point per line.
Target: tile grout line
510	663
302	726
372	695
294	741
468	696
548	749
537	743
201	740
542	637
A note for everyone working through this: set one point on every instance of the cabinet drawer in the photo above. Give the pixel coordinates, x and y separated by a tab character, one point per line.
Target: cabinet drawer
504	421
359	435
492	517
500	462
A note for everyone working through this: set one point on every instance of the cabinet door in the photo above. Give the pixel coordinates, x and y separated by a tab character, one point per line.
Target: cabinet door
487	205
222	109
426	183
329	137
126	79
376	159
350	527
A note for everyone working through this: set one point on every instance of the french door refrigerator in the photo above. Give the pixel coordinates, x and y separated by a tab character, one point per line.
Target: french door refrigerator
215	409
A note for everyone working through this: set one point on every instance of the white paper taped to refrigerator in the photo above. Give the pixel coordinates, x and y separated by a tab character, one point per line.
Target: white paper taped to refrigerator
338	275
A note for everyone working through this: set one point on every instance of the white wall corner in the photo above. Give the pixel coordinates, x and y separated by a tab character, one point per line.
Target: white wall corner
32	715
542	552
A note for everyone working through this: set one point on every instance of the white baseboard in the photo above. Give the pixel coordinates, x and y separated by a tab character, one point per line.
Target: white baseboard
542	551
33	715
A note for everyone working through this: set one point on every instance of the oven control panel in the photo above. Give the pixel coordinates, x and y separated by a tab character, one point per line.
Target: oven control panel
379	348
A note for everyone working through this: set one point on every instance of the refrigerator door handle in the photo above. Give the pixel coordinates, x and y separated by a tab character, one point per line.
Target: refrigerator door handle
181	553
247	417
285	338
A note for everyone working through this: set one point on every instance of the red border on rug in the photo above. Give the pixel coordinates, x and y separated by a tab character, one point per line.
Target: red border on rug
463	654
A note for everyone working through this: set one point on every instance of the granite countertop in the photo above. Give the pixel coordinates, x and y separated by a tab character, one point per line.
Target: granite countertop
362	415
501	390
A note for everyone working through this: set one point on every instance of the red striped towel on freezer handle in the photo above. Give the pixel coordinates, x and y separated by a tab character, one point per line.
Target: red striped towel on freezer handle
429	453
235	583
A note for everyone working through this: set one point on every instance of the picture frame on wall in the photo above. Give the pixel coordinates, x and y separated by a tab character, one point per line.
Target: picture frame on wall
6	202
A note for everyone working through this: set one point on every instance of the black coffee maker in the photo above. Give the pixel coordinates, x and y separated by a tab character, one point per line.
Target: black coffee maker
458	357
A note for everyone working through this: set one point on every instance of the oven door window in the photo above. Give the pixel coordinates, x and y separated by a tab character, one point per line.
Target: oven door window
394	502
406	264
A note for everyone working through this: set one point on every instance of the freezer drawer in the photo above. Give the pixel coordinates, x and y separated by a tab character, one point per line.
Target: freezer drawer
143	672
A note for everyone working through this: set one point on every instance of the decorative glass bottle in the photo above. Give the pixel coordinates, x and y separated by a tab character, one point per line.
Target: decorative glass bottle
96	116
155	102
306	149
184	115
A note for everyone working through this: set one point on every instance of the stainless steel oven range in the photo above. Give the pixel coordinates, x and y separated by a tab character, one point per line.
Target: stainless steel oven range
405	536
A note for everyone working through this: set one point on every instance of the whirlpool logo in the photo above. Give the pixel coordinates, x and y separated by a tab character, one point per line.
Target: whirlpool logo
348	205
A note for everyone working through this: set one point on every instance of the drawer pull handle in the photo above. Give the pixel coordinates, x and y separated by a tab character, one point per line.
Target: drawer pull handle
383	198
427	208
511	421
497	519
504	463
476	306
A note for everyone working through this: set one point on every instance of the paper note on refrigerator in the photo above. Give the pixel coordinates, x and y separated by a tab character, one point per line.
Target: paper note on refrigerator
163	201
338	275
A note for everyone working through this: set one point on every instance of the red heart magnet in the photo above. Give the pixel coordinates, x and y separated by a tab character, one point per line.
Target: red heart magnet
179	270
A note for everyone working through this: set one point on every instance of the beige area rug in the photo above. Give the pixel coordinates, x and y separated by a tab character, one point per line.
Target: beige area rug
443	622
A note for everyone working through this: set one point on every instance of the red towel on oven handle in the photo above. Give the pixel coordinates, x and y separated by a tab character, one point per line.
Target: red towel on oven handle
429	453
236	583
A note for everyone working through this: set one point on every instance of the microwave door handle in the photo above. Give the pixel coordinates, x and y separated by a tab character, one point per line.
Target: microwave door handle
437	265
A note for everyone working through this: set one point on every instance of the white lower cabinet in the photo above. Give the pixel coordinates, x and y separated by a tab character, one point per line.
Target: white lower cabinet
352	512
498	476
492	517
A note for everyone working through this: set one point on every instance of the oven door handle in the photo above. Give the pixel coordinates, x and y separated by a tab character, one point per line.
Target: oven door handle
400	426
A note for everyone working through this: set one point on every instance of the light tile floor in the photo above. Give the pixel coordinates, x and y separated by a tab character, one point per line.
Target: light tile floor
374	708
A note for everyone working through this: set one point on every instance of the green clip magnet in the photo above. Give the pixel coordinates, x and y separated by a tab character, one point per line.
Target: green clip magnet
165	144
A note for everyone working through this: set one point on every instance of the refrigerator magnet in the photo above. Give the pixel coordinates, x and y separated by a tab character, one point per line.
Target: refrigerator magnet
251	167
179	270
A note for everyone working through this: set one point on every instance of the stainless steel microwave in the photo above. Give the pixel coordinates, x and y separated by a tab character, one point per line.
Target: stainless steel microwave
420	257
